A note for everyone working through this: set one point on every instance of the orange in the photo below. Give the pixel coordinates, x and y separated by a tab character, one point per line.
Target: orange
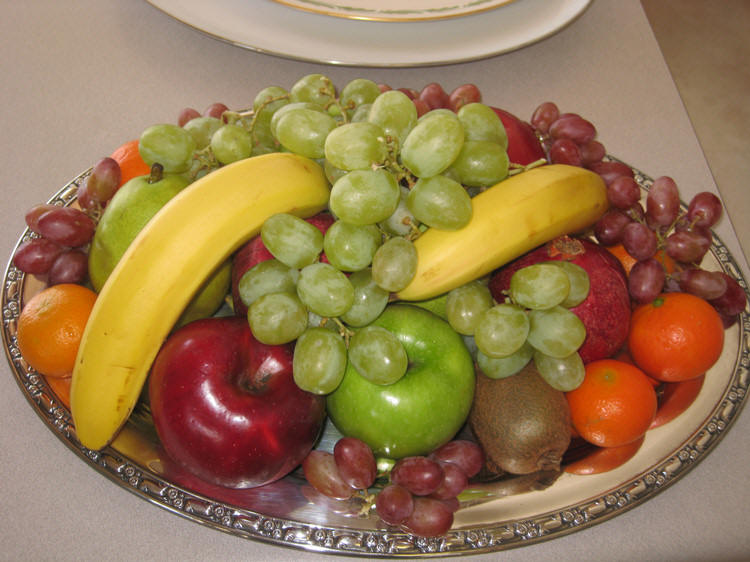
50	327
675	398
614	405
676	337
628	261
130	161
61	387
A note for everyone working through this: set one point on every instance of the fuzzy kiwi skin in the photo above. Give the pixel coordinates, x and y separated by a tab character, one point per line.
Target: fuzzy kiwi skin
521	422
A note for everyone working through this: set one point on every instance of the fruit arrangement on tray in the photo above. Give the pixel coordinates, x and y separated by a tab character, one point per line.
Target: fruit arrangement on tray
463	294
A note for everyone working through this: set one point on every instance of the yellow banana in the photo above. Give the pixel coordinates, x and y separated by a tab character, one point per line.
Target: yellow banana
509	219
162	269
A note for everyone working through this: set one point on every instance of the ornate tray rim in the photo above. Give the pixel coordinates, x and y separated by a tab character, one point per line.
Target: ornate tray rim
248	524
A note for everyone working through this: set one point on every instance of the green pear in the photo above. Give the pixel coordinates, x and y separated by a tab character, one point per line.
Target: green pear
132	206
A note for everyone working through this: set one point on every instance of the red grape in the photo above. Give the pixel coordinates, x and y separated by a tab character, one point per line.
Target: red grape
33	214
36	256
67	226
573	127
544	115
646	280
186	114
623	192
71	266
609	228
430	518
466	454
454	483
394	504
592	152
663	202
216	110
639	240
322	474
421	106
610	170
434	96
411	93
704	284
733	301
565	151
464	94
356	462
704	209
103	180
686	246
420	475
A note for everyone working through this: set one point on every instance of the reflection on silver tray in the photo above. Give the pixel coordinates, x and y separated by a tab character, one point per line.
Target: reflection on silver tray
512	512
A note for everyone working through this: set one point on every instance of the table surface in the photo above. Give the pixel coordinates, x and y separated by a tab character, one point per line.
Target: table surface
80	78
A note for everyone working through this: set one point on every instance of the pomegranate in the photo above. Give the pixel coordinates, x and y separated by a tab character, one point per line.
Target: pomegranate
606	310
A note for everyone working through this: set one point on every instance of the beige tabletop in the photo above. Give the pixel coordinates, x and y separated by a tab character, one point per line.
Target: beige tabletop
80	78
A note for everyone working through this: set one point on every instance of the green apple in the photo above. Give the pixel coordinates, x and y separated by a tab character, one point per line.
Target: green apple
422	410
132	206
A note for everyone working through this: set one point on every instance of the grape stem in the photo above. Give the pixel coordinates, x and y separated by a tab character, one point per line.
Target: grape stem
518	168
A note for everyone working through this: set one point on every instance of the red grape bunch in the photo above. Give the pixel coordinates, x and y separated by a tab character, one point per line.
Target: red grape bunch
646	233
421	494
59	249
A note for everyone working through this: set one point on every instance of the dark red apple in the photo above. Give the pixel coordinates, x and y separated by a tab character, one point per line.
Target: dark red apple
606	310
523	145
226	407
254	252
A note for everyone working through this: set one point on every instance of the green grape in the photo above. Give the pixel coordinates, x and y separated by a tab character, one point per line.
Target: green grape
319	361
169	145
465	304
362	113
269	276
539	286
262	103
325	290
333	174
292	240
364	196
369	299
501	330
556	331
314	88
284	109
481	123
358	92
277	318
440	202
231	143
433	144
402	219
356	146
263	140
563	373
481	163
304	131
395	113
350	247
201	129
394	264
579	283
378	355
501	367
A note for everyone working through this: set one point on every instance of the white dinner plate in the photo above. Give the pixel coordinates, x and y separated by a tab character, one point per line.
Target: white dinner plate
395	10
269	27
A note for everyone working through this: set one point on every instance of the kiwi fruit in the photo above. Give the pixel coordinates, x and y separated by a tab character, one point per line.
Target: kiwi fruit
521	422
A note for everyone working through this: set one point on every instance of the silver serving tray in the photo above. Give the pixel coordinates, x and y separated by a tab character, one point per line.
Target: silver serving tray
500	515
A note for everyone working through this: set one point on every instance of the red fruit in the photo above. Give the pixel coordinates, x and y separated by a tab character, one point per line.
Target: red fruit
254	252
523	145
606	310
